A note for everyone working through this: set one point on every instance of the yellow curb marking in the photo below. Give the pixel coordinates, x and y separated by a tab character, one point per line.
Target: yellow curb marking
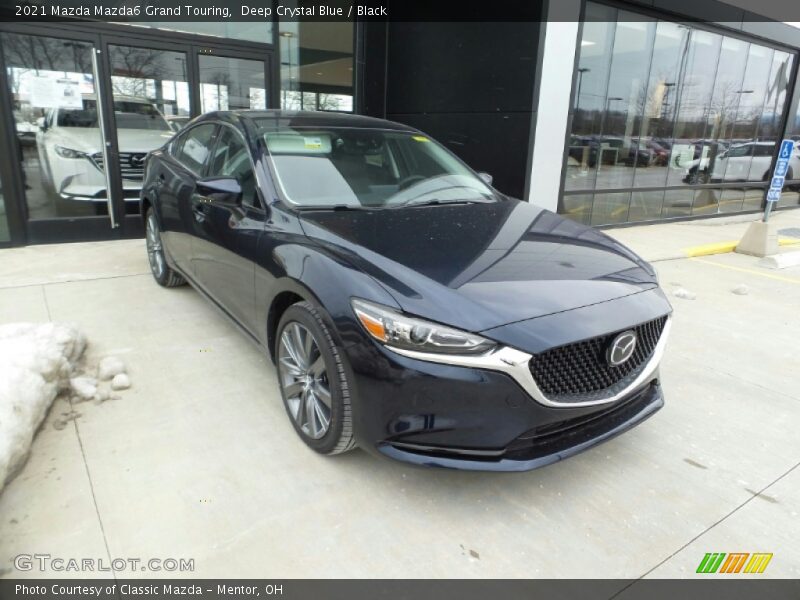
729	246
708	249
744	270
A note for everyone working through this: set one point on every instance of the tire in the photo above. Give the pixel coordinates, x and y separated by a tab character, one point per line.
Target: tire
698	177
162	273
309	371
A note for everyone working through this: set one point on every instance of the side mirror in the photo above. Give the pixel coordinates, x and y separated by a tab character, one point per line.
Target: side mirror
487	179
221	190
40	123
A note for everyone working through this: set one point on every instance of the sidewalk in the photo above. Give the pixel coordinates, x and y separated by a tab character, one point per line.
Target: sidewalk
667	241
198	459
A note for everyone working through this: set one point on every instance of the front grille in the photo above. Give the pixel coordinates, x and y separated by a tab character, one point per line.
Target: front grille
131	164
580	372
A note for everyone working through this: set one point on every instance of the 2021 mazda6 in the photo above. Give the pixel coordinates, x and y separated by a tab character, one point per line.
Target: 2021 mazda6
411	309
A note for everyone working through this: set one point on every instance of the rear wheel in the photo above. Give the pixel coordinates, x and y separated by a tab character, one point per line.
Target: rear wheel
161	271
313	381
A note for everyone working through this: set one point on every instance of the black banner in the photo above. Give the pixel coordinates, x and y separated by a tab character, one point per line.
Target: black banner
362	10
733	588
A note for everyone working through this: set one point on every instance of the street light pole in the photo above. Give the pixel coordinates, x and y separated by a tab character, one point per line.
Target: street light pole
581	71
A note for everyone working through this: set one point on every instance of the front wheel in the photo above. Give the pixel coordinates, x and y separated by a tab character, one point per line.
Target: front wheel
313	381
698	177
162	273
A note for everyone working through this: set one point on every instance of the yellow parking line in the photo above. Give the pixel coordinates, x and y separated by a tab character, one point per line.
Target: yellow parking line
745	270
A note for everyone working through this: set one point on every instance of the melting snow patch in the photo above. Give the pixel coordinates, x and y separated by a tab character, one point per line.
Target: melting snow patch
36	363
109	367
741	290
120	382
684	293
84	387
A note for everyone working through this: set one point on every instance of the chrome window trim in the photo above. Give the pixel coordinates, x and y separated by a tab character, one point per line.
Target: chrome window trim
514	363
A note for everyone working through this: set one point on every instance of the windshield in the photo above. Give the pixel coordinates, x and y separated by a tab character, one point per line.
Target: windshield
128	115
371	168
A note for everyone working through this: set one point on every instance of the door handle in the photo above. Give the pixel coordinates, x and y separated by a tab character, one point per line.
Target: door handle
199	212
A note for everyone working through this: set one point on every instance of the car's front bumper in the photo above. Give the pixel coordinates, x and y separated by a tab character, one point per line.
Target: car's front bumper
466	418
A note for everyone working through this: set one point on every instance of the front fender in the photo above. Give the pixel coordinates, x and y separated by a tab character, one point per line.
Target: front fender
310	272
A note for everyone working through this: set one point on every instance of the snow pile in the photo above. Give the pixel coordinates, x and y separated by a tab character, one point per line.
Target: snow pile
36	363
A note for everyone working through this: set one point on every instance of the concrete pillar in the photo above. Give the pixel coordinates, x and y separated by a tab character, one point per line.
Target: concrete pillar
553	93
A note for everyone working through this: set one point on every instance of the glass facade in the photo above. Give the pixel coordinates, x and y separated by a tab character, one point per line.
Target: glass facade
5	234
670	120
260	31
316	66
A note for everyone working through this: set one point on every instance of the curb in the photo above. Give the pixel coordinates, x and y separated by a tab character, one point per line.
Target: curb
729	246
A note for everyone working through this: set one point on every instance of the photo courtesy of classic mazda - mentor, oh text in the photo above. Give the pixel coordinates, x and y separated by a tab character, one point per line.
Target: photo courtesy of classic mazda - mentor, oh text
410	308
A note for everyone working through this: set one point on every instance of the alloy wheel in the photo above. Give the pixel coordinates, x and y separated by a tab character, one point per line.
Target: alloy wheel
304	380
155	253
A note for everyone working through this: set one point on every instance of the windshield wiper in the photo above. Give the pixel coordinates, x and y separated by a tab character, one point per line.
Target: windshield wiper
437	201
333	207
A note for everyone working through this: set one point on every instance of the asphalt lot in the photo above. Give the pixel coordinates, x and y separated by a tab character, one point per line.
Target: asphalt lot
198	459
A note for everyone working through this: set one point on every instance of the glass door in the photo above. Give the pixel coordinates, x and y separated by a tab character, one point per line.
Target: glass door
87	108
57	125
232	83
151	97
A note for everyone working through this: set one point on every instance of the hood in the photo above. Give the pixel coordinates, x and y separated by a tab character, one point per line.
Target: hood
87	139
479	266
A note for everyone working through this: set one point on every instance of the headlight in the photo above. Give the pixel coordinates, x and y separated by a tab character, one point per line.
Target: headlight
69	152
397	330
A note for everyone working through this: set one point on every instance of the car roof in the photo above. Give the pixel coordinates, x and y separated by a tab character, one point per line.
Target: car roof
298	118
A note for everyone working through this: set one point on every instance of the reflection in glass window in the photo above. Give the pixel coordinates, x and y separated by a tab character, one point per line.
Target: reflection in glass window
194	147
231	84
669	49
316	66
156	76
665	105
5	234
253	31
51	86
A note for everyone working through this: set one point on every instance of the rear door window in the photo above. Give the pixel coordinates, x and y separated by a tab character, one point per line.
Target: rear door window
194	147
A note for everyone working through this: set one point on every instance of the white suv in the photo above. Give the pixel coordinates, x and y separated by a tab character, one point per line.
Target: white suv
70	147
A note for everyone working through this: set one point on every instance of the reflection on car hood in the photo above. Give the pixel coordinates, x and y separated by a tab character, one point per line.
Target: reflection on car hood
87	139
478	266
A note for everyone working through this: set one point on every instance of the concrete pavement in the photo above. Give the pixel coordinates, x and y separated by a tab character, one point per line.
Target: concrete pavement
198	459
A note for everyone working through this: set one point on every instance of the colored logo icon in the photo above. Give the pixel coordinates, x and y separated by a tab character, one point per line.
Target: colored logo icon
734	562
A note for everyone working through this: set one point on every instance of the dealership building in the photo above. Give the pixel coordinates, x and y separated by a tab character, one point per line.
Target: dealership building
606	112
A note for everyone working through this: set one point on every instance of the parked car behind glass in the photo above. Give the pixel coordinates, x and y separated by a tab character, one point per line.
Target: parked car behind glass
70	148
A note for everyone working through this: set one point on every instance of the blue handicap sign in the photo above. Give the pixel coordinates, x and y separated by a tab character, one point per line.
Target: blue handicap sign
786	149
777	183
781	167
773	195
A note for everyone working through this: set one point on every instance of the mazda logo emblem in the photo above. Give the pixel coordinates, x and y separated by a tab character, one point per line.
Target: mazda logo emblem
137	160
621	349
